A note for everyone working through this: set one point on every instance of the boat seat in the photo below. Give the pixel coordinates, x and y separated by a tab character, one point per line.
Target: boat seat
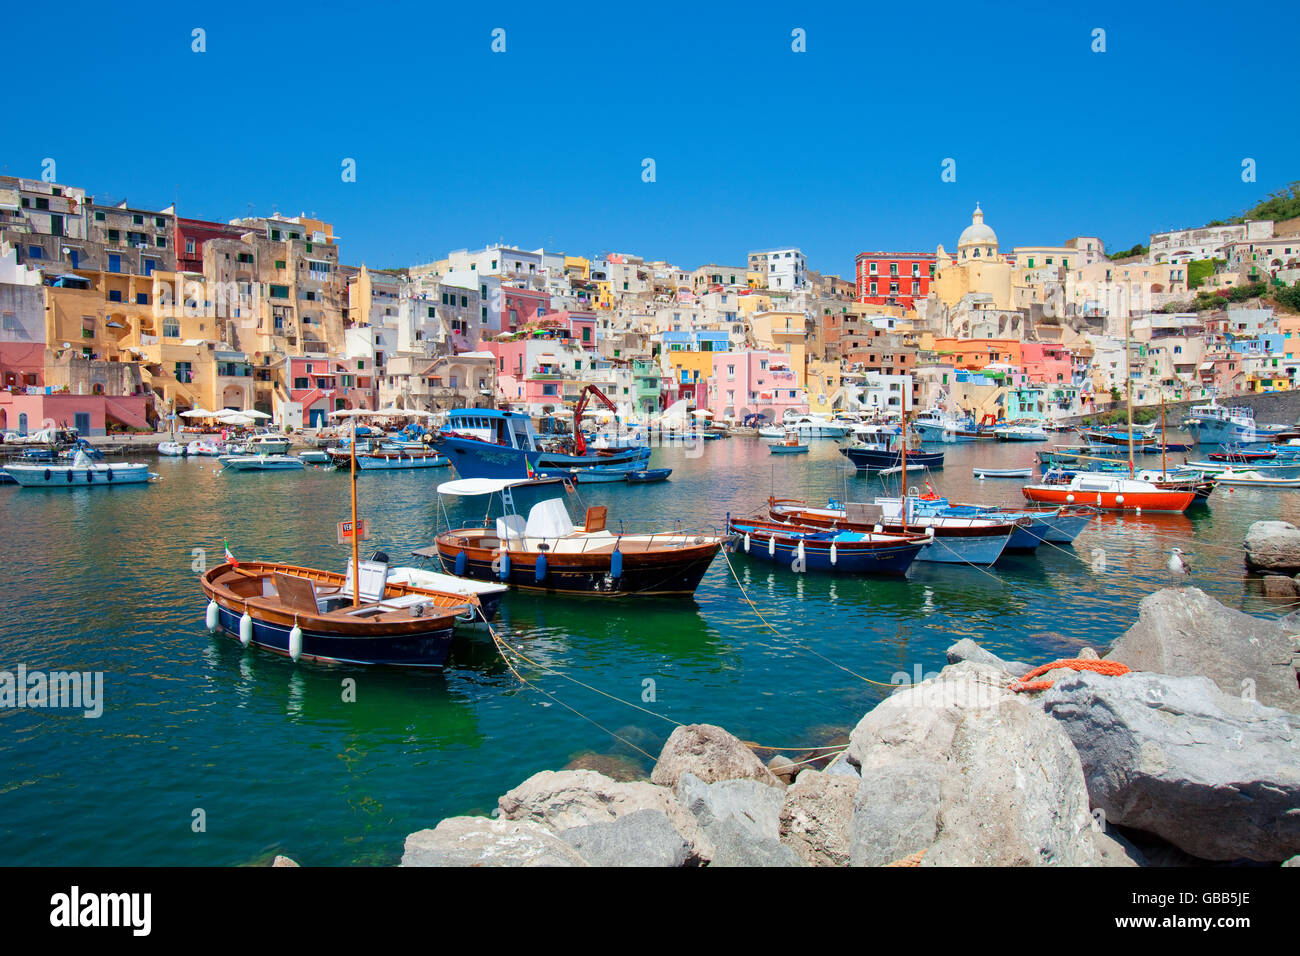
511	527
374	580
548	519
595	519
860	512
296	594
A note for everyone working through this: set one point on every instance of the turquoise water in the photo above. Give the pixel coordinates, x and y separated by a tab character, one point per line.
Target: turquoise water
278	761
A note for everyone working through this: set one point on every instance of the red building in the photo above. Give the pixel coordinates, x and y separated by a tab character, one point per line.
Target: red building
894	278
191	234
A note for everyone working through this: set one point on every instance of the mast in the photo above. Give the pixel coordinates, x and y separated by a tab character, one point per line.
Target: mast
1128	392
902	477
1164	452
356	540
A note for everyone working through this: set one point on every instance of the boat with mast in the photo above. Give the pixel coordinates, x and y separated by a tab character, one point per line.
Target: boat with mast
358	617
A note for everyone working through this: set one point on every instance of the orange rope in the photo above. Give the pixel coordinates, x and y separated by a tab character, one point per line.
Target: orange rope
913	860
1109	668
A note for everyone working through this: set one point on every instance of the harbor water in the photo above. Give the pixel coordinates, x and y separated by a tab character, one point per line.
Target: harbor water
209	754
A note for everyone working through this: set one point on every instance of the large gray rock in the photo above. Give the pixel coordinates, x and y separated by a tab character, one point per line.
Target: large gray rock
1273	546
1186	633
740	818
1018	798
711	754
480	841
559	800
1213	774
640	838
965	769
968	650
815	817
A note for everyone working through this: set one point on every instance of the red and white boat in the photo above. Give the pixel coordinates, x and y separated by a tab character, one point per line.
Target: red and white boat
1111	493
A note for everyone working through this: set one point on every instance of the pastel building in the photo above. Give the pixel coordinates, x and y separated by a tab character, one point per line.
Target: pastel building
894	278
748	382
319	384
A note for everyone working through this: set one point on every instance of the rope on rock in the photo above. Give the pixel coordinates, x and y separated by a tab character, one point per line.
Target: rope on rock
1028	684
913	860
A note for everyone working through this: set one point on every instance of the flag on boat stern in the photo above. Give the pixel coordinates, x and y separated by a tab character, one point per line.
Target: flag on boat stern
230	558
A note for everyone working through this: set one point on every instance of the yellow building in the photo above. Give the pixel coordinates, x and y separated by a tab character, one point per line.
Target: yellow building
577	267
977	267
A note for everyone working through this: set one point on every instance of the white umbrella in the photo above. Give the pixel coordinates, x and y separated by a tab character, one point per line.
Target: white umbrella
702	413
237	420
254	413
196	413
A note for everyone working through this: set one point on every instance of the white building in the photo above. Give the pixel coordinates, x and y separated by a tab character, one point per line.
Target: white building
784	268
1208	242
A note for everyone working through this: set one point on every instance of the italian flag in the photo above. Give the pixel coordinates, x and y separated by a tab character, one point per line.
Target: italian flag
230	558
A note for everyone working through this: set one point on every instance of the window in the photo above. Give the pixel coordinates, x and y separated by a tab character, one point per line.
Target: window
114	263
42	204
99	216
171	328
137	219
33	252
113	235
189	247
184	373
114	295
142	298
279	292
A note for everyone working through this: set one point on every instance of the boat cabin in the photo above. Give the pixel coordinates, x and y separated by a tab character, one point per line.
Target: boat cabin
511	429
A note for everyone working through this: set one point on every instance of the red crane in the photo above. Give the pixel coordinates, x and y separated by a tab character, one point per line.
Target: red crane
579	443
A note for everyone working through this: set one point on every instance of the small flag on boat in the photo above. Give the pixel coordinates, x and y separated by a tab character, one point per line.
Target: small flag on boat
230	558
529	467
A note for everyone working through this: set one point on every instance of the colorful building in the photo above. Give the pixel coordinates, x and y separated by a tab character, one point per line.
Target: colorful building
894	278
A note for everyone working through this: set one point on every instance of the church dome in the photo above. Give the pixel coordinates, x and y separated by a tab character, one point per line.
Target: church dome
977	240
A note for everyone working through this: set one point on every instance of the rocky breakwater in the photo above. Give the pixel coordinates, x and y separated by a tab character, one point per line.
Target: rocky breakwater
961	769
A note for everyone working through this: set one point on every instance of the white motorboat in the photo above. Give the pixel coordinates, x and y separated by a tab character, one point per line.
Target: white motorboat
1253	479
80	473
262	463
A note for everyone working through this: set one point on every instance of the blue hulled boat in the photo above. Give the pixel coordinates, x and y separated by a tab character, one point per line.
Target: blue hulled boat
815	549
489	443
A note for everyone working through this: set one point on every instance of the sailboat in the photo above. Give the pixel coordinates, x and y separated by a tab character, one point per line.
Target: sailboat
357	617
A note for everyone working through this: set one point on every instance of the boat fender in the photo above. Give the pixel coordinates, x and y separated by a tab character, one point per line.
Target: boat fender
747	542
109	474
295	641
1139	509
504	571
246	628
771	546
462	562
212	617
929	532
68	475
539	572
877	529
1069	499
47	474
616	563
799	553
1119	500
834	554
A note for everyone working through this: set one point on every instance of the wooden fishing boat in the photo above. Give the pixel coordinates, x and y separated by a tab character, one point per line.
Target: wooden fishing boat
964	540
306	613
547	551
789	445
391	459
817	549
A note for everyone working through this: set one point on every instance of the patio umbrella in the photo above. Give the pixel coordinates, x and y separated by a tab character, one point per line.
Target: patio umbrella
254	413
237	420
197	413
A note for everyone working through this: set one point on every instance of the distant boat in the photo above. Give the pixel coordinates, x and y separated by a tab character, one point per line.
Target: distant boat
1003	472
1111	493
1253	479
80	473
262	463
789	445
315	456
1020	433
820	549
487	443
392	459
806	426
875	457
648	475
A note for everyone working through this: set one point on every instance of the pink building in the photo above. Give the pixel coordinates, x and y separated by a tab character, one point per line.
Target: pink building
1046	364
88	414
522	307
323	385
749	382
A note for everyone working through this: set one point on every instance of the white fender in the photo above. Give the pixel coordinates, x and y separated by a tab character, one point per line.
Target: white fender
295	641
246	628
771	546
212	618
1119	500
834	554
747	542
799	551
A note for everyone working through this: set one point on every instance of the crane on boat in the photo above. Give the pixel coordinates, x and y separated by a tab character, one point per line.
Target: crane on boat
580	443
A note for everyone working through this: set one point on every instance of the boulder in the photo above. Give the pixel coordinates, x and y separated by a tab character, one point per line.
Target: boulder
968	650
559	800
783	768
1213	774
1273	546
711	754
283	861
480	841
1018	797
740	818
1280	586
640	838
961	767
1294	861
815	817
614	766
842	765
1184	632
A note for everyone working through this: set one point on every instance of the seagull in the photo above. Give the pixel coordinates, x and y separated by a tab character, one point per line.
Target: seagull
1177	563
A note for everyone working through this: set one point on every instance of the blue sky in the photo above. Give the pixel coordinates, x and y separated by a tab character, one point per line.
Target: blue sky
836	150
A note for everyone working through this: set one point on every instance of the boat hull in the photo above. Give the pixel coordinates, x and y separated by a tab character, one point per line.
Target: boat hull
481	459
67	476
869	459
781	546
1154	500
429	649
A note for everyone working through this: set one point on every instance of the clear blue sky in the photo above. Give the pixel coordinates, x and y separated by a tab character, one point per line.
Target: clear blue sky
836	150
